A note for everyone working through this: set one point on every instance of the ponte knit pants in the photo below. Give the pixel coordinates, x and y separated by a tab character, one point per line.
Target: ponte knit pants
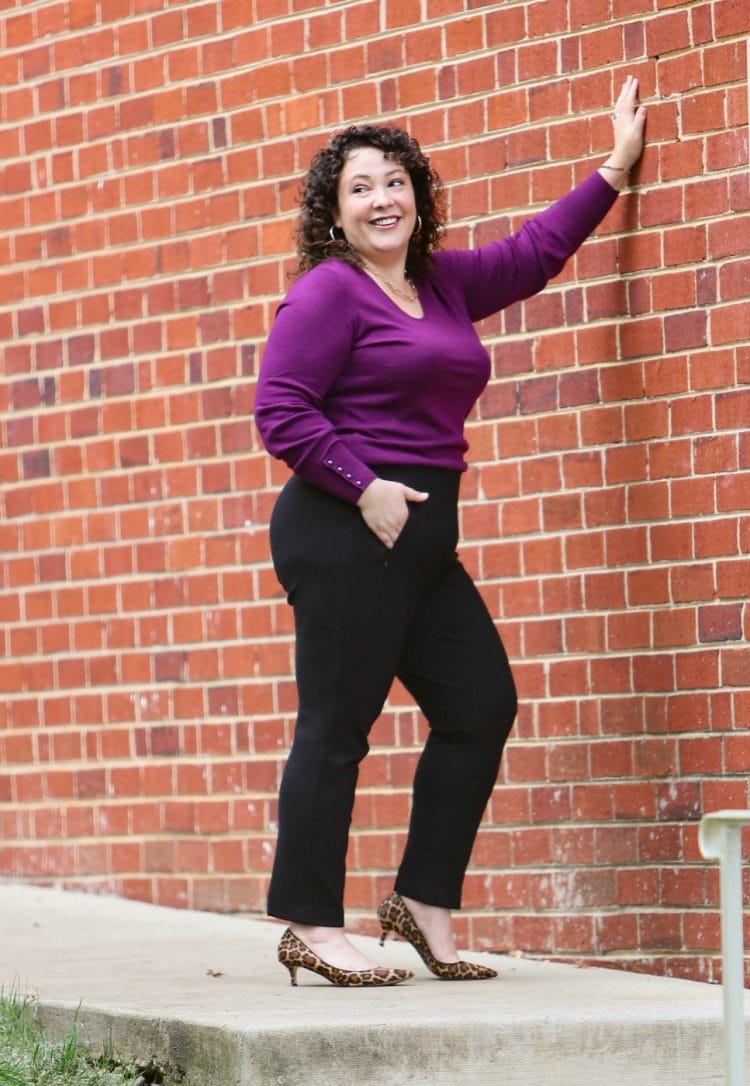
364	615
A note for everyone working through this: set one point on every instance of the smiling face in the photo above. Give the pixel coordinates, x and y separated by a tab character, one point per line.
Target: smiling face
376	206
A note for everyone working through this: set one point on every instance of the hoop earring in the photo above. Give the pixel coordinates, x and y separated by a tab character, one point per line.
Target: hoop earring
332	235
418	226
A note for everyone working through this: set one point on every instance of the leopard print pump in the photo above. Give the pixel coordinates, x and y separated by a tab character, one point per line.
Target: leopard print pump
295	954
394	916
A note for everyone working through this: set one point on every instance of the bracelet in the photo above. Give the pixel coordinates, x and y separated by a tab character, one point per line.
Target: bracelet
617	169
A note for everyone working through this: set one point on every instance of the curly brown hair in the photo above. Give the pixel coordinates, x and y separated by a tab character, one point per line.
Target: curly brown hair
319	198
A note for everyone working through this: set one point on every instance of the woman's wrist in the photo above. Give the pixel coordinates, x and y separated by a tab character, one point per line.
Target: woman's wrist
615	172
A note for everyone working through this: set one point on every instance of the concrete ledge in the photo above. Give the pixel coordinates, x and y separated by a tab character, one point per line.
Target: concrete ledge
142	978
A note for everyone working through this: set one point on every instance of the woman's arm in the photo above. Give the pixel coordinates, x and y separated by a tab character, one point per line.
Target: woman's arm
308	347
520	265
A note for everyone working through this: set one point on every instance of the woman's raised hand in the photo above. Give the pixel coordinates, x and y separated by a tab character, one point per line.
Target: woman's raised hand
628	120
385	510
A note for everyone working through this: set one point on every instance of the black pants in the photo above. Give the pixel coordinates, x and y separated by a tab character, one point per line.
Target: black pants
364	614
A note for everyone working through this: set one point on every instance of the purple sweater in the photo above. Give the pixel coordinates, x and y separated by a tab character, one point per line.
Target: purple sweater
349	381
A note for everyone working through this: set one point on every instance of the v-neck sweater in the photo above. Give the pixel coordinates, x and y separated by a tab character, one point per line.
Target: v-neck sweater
349	381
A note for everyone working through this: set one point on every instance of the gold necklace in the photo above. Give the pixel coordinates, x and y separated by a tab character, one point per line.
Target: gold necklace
396	290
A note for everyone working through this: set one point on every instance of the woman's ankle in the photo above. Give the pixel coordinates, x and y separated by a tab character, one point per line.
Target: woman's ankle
317	933
435	923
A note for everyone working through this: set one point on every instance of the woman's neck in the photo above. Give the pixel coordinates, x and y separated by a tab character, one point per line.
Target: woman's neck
395	270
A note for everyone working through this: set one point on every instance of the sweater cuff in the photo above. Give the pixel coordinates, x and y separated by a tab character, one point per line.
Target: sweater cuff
606	195
343	475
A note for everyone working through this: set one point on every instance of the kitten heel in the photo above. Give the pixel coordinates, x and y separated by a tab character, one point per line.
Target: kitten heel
394	916
292	971
294	954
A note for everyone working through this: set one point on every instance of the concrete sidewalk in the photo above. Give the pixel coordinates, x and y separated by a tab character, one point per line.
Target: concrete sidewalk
204	992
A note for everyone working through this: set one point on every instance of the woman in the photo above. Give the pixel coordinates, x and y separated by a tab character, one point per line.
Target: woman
369	373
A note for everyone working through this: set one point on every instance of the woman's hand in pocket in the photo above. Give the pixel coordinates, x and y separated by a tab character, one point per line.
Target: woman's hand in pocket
384	506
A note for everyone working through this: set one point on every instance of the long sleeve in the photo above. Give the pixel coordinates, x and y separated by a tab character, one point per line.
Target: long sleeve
516	267
308	347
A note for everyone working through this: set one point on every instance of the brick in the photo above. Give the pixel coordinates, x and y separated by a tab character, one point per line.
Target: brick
667	32
734	666
736	754
730	324
729	18
715	454
628	631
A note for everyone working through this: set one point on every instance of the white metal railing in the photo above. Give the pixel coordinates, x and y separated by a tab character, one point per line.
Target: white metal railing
720	838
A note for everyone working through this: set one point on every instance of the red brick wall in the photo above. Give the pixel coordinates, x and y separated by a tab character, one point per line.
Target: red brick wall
150	159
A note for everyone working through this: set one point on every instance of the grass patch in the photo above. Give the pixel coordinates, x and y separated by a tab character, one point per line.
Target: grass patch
27	1058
